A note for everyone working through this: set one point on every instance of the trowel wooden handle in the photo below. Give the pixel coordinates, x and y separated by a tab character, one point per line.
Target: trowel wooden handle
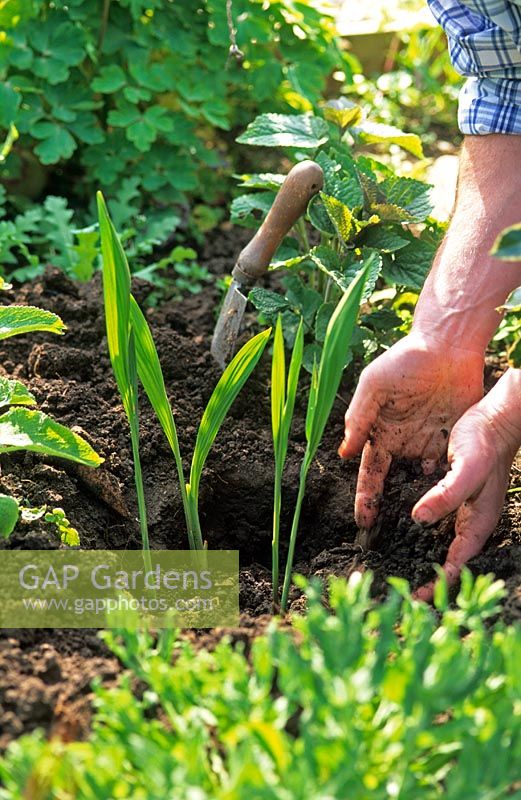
301	184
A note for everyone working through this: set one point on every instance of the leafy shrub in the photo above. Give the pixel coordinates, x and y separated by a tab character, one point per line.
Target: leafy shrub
140	88
364	701
365	215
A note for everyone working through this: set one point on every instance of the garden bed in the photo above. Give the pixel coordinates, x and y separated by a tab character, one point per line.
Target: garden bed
45	675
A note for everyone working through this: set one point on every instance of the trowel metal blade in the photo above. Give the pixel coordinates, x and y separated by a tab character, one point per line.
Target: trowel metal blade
228	324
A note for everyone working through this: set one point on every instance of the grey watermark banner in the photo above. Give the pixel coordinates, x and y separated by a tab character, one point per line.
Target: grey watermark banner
110	588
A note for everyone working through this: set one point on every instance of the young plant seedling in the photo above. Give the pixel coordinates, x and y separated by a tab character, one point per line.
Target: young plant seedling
325	380
24	428
283	395
133	354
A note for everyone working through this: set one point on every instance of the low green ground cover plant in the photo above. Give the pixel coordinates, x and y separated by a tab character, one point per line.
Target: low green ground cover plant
325	380
362	699
133	355
366	216
22	427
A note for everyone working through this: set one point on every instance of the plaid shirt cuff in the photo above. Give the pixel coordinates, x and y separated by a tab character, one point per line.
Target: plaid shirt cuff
490	106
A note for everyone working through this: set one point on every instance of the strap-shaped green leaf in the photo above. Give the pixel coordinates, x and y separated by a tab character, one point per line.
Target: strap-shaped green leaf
14	393
15	320
116	294
9	514
22	429
231	382
332	363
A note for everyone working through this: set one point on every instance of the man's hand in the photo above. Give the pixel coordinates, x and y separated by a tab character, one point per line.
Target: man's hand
481	450
405	405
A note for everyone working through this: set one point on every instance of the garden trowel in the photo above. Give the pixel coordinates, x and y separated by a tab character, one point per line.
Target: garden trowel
300	185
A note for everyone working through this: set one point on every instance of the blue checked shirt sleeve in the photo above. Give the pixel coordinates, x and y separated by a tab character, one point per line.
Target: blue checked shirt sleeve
485	46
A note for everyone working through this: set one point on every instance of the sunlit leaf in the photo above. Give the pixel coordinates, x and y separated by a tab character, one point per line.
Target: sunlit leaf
15	320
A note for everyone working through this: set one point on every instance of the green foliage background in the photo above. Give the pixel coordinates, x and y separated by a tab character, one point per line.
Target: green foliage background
100	91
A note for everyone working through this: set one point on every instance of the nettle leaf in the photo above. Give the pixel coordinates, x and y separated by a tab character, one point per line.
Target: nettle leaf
56	144
376	133
109	79
286	130
306	300
14	393
508	244
410	265
381	319
386	239
15	320
341	217
248	209
311	356
9	515
21	429
319	217
343	112
267	302
388	212
371	262
409	194
341	179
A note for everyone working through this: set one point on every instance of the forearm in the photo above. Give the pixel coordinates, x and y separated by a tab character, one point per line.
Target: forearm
466	285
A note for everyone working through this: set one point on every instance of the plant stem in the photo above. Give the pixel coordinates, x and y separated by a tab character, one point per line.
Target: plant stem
301	227
195	535
277	503
138	480
294	530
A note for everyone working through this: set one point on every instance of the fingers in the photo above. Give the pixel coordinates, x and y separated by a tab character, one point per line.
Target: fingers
374	467
360	418
475	521
462	481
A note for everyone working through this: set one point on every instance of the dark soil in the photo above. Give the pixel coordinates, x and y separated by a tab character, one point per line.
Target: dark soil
45	675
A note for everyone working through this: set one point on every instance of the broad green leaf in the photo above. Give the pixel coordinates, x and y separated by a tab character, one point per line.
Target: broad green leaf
15	320
343	112
14	393
409	194
319	217
286	130
9	514
376	133
372	261
385	239
21	429
109	79
388	212
249	209
230	383
267	302
334	357
508	244
9	103
410	265
341	178
56	144
301	297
